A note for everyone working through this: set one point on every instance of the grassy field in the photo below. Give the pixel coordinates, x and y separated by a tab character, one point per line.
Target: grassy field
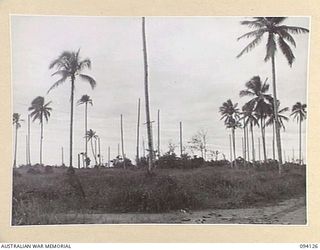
41	193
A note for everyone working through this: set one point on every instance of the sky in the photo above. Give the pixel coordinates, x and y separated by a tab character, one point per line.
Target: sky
193	69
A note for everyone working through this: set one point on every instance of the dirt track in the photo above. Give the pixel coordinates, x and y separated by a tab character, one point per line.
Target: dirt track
289	212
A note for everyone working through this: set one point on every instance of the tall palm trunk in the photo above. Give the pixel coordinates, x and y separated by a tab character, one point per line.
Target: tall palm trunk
138	133
273	142
122	143
15	147
300	140
180	135
275	104
86	129
234	147
29	158
263	139
71	120
244	142
41	137
252	141
230	144
248	147
146	90
94	155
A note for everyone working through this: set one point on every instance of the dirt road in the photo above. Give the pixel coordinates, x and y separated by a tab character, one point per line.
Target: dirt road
288	212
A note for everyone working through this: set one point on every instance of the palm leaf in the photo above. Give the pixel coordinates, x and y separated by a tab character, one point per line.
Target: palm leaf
293	29
251	45
57	83
286	50
91	81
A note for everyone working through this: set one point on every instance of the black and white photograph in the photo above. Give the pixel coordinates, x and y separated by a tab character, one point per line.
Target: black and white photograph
159	119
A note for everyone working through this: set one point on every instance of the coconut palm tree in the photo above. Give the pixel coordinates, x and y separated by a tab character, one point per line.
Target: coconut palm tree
69	66
90	136
271	122
40	110
250	118
16	119
278	36
230	115
85	99
260	103
146	92
299	113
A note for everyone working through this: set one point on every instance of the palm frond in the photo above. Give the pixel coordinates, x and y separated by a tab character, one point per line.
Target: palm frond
253	24
91	81
57	83
294	29
286	50
285	35
252	33
251	45
270	46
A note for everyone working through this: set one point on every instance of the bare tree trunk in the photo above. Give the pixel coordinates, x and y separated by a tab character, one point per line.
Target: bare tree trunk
234	147
275	104
138	133
71	120
29	134
181	139
158	133
99	151
86	129
94	156
230	143
300	140
122	144
15	148
259	149
144	149
41	137
108	157
26	150
248	147
149	130
273	143
252	141
263	139
62	156
78	161
244	142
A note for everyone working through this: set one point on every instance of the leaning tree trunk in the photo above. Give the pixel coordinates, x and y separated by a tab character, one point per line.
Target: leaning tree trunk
15	147
275	104
41	137
234	147
149	131
252	141
71	120
263	139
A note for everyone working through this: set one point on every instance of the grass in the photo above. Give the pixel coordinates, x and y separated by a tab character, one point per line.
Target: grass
42	193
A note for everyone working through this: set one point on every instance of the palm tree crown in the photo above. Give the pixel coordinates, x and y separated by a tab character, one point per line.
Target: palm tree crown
299	111
260	103
91	135
39	109
69	65
16	119
281	117
85	99
279	35
230	113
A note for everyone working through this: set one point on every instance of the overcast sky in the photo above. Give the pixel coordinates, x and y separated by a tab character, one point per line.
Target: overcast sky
193	69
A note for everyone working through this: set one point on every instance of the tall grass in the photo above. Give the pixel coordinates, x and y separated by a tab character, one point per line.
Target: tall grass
39	195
